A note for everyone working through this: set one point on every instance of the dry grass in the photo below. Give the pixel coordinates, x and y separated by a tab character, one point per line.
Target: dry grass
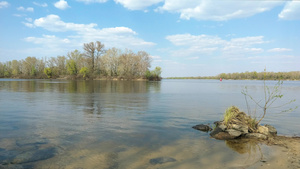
233	115
230	114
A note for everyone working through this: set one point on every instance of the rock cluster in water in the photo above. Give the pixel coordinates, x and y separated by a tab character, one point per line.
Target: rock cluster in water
238	127
223	132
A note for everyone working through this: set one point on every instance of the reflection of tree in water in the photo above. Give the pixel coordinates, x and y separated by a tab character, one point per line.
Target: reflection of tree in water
247	146
154	86
92	97
97	97
92	103
29	86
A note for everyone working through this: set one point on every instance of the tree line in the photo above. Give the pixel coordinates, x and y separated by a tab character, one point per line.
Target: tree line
293	75
94	62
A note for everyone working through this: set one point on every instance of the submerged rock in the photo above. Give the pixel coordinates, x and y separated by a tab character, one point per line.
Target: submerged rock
34	155
161	160
31	142
202	127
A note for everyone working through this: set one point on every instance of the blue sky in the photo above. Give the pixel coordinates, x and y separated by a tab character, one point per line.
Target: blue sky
185	38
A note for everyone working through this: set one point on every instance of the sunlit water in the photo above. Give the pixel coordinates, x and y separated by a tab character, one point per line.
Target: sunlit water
125	124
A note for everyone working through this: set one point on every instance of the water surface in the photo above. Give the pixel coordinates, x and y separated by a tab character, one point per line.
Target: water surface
125	124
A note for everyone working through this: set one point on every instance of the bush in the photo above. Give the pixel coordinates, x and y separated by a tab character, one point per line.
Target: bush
72	67
84	71
154	74
48	72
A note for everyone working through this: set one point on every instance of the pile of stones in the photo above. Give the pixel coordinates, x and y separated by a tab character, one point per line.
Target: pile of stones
238	128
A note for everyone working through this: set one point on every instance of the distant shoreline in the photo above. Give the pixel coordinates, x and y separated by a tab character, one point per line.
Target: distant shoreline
293	75
185	78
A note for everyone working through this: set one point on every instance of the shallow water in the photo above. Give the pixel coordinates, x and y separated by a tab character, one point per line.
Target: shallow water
126	124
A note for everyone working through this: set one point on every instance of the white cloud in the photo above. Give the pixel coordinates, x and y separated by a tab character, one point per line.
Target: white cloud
29	9
55	24
21	8
121	37
193	44
19	15
28	19
137	4
188	40
61	4
40	4
47	39
197	45
4	4
92	1
279	50
291	11
155	57
51	45
30	25
217	10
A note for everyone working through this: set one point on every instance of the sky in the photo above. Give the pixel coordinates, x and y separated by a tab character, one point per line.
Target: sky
184	38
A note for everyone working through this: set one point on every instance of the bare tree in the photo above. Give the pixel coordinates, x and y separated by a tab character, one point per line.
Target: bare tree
93	51
270	96
110	62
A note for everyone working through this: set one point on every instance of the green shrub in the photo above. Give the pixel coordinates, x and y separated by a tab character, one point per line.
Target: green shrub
48	72
84	71
72	67
154	74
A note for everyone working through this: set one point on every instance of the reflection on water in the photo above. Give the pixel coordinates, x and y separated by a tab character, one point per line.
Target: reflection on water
64	86
125	124
249	147
243	146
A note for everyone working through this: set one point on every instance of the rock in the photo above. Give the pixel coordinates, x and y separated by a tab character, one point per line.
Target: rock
272	130
30	141
256	135
263	130
6	156
222	126
219	134
223	136
217	123
202	127
14	167
241	128
234	133
161	160
34	155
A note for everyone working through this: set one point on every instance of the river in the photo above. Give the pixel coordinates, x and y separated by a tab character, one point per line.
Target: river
131	124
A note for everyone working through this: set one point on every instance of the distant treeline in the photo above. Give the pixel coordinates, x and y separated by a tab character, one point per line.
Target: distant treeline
94	62
294	75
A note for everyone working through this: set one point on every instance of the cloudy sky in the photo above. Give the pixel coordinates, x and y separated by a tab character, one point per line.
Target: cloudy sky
185	38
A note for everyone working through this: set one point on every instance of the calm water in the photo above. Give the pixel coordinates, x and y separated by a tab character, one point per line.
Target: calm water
123	124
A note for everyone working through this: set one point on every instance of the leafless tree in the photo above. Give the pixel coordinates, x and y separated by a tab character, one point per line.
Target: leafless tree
93	51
